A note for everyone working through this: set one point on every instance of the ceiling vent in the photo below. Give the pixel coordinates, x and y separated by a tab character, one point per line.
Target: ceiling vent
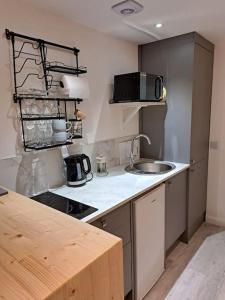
127	7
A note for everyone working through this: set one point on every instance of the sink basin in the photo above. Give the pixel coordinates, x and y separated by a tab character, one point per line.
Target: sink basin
150	167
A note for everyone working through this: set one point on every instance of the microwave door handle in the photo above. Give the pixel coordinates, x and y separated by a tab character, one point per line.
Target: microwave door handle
161	87
159	93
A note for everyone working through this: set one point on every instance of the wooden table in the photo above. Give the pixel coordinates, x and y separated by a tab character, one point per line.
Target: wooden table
45	254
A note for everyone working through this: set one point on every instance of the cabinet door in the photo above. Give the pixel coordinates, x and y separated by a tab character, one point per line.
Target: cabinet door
201	106
118	222
197	193
176	208
149	240
152	123
152	60
169	127
127	268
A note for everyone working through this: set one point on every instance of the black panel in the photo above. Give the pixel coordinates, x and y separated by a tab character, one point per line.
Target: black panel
73	208
127	87
138	86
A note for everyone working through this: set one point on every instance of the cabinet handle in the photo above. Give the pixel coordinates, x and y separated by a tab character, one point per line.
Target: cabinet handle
192	170
104	224
169	182
154	200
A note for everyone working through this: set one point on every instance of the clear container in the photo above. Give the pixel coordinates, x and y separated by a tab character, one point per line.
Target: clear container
101	164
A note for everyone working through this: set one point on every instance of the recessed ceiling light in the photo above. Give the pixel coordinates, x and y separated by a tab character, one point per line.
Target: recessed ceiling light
158	25
127	7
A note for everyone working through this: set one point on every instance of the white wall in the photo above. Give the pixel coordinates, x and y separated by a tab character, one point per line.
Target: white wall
103	55
216	176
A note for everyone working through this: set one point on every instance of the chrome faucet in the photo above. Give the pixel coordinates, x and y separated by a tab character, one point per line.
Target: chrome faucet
132	147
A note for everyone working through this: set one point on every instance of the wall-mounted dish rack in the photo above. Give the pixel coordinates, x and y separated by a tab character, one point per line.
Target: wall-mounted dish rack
46	70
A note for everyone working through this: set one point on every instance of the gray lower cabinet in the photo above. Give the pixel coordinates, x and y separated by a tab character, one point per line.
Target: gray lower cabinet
176	208
118	223
197	194
127	266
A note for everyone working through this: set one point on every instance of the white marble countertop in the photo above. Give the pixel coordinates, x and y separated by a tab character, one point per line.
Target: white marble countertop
114	190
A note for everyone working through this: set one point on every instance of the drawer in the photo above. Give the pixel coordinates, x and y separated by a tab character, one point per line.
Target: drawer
127	268
117	223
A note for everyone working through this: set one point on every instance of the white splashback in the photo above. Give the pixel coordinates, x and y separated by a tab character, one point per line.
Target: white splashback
102	54
16	173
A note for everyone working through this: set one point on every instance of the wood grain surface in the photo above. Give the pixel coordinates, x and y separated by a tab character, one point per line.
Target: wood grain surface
45	254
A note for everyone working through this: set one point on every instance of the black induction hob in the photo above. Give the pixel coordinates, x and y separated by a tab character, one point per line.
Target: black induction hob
70	207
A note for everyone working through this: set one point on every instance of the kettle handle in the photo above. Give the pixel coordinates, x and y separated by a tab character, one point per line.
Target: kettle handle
85	157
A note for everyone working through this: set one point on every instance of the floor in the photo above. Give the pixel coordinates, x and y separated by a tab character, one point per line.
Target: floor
178	260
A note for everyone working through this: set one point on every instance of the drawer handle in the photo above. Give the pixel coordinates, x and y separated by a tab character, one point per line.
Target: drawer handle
104	224
154	200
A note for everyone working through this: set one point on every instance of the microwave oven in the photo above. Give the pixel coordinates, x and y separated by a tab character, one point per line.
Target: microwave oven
137	87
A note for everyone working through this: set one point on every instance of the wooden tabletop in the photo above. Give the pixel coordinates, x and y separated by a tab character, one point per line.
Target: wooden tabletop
45	254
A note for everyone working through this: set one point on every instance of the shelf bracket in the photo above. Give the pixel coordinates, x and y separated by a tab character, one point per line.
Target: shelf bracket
130	109
127	117
7	33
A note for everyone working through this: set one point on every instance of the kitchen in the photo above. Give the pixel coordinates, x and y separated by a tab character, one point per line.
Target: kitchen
175	132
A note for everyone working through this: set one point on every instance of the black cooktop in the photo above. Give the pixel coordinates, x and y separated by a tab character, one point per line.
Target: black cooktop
70	207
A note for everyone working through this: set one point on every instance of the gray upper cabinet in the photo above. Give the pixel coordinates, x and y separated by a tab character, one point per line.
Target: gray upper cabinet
201	105
186	64
152	121
179	78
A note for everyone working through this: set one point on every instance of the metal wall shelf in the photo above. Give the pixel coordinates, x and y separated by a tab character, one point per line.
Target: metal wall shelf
134	108
20	97
50	146
38	57
66	70
41	118
139	103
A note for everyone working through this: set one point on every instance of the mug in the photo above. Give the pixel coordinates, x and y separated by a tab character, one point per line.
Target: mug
61	125
61	137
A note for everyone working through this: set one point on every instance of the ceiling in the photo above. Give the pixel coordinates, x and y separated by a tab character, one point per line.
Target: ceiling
178	16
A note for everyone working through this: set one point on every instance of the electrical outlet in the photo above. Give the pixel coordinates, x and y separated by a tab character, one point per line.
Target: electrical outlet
213	145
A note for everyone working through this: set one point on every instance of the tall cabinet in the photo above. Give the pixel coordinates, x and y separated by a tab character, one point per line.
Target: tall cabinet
180	130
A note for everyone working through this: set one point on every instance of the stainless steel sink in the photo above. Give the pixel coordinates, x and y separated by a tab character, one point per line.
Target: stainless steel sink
150	167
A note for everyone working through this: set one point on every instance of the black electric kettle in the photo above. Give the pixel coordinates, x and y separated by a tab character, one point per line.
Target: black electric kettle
78	167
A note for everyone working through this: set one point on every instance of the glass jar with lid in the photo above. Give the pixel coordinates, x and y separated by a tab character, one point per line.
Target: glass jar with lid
101	163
